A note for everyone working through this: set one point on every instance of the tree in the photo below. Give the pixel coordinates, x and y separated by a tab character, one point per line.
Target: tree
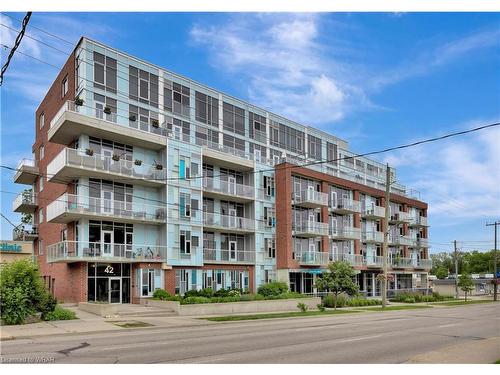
465	283
27	218
338	279
441	272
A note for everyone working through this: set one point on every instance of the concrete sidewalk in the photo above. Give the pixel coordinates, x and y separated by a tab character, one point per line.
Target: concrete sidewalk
479	351
91	323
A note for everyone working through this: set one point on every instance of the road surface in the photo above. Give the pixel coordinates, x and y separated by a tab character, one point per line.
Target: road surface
389	337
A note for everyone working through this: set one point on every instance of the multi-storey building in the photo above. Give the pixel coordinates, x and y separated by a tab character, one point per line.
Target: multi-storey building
143	179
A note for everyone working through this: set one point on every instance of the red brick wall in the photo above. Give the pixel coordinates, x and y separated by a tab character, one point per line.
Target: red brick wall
70	279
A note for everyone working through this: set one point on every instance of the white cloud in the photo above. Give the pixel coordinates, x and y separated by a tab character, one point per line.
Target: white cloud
459	177
283	64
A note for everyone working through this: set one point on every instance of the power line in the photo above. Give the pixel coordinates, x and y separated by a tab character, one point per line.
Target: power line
16	45
7	219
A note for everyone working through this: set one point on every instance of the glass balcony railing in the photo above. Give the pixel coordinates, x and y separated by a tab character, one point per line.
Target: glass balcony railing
76	251
228	188
313	258
311	228
213	255
310	198
228	222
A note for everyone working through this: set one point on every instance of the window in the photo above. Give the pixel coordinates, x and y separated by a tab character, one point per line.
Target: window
40	183
207	109
269	217
314	147
185	205
41	120
41	152
143	86
185	242
40	216
331	152
40	247
269	186
233	118
270	247
104	72
257	127
176	98
64	87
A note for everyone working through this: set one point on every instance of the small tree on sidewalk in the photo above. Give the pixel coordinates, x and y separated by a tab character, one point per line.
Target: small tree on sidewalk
465	283
338	279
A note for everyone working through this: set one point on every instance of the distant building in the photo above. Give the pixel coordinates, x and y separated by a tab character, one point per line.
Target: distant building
446	287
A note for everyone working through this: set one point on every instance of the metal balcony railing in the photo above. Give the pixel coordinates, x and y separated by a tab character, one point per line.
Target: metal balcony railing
228	222
227	256
353	259
374	260
374	211
344	233
399	240
402	262
400	217
25	198
25	232
373	236
85	205
312	258
228	188
346	206
68	251
69	157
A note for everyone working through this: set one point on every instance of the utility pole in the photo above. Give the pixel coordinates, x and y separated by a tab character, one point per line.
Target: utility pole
386	235
495	278
456	269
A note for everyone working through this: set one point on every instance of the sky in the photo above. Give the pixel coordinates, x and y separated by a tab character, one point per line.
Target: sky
374	79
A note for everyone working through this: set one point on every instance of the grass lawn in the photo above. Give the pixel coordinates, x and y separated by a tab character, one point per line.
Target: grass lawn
398	307
278	315
458	303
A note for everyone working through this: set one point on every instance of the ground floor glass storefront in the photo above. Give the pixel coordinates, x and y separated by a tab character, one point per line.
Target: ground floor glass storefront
108	282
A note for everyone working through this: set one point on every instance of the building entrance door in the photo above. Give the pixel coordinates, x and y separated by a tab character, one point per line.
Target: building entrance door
115	290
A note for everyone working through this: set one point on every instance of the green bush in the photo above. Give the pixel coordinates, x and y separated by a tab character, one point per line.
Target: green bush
194	300
329	300
342	301
222	293
320	307
60	313
207	292
22	292
416	297
192	293
357	301
274	288
302	307
161	294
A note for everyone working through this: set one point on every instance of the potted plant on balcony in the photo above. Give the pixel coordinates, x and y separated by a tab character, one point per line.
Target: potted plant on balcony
78	101
89	151
132	118
116	157
138	162
107	110
155	123
159	166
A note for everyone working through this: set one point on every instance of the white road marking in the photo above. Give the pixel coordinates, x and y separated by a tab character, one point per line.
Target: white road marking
448	325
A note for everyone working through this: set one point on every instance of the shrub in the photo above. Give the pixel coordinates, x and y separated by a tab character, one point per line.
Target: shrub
60	313
274	288
22	292
194	300
192	293
207	292
161	294
248	297
320	307
234	293
357	301
221	293
329	300
302	307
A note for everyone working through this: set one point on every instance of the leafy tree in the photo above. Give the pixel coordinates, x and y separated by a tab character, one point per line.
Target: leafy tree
338	279
479	262
27	218
22	292
442	272
465	283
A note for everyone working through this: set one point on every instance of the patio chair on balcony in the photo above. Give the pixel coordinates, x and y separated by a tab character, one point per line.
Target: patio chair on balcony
140	215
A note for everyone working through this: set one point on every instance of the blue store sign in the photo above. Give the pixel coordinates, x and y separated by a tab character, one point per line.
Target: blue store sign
11	248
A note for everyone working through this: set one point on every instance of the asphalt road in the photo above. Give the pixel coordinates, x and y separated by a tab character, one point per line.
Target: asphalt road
389	337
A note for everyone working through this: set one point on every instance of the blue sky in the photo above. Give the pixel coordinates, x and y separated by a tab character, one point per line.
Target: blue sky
374	79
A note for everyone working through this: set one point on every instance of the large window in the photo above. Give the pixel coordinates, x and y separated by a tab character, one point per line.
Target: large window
257	127
104	72
331	152
314	147
233	142
286	137
233	118
207	109
176	98
143	86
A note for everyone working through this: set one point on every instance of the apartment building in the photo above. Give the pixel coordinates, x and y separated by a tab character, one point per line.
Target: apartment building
144	179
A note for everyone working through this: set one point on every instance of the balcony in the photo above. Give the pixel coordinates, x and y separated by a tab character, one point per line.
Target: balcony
71	164
399	217
26	172
345	233
72	120
312	258
25	202
83	251
70	207
220	189
373	237
310	198
425	264
402	263
224	256
374	213
419	221
398	240
353	259
420	242
25	232
374	261
310	229
346	206
228	222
